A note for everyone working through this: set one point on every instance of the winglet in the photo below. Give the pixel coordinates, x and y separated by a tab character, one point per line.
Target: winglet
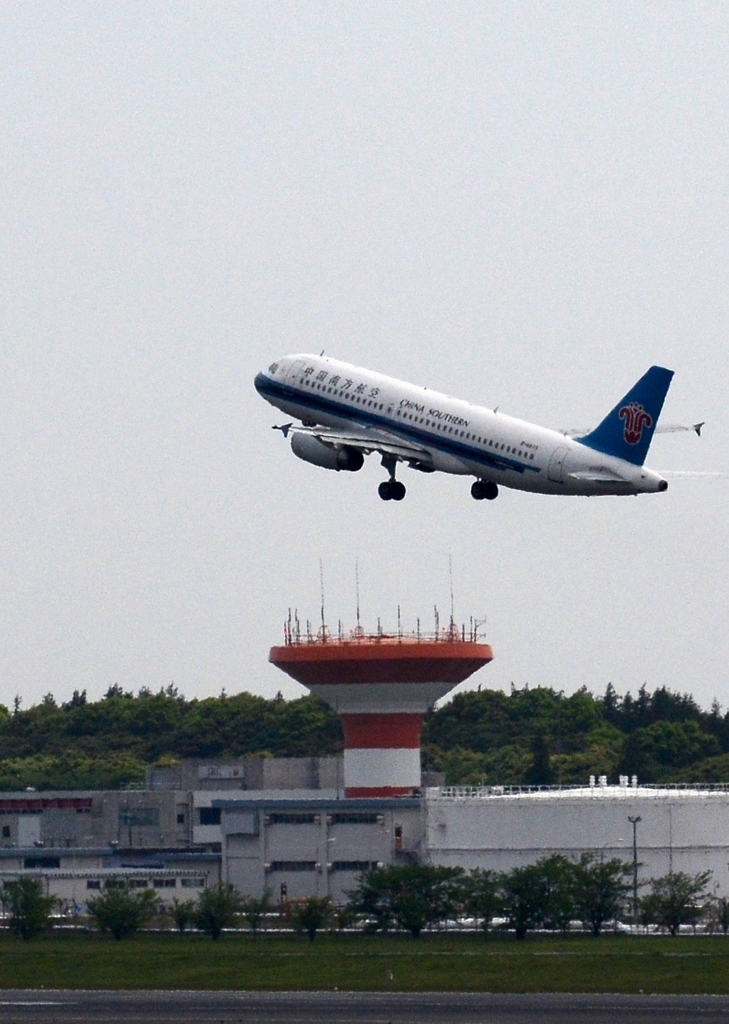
627	430
697	427
284	429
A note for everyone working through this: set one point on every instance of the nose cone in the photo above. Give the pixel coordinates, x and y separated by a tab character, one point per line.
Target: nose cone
259	383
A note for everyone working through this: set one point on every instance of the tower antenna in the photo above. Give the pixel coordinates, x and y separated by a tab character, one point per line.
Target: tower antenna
356	583
450	580
321	587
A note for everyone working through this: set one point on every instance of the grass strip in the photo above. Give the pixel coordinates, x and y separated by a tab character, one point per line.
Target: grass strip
355	963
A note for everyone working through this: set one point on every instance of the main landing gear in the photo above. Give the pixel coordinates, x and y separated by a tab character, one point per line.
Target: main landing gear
481	489
392	489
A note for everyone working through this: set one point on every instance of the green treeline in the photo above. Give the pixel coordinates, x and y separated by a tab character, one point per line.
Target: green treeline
528	736
539	737
109	743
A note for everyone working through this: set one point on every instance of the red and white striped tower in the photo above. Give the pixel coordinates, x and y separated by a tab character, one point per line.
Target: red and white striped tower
381	686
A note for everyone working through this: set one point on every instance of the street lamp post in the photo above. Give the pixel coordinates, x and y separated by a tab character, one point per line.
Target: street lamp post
634	822
560	695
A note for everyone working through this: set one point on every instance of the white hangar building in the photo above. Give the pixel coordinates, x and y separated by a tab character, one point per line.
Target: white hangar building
679	829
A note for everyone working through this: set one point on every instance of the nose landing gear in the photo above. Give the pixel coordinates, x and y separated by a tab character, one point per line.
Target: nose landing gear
392	489
481	489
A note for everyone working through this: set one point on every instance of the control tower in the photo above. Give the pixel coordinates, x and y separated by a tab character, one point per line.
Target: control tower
381	684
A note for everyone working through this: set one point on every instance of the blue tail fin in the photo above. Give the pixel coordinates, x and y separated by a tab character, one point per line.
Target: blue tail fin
628	430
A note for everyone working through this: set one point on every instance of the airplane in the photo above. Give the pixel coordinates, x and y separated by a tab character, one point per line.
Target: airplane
347	412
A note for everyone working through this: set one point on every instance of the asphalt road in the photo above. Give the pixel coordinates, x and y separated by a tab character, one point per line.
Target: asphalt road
352	1008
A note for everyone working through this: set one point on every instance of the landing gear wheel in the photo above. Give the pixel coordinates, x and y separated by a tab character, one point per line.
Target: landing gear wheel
481	489
490	490
392	489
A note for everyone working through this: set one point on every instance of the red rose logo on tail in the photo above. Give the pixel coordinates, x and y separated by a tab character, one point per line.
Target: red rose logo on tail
636	420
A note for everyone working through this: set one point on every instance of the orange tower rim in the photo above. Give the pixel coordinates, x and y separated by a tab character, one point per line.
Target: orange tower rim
370	659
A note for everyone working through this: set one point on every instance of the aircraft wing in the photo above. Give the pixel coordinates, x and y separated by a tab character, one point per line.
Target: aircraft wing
365	441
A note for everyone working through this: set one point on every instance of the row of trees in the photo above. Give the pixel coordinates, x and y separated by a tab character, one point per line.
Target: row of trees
121	911
535	736
550	894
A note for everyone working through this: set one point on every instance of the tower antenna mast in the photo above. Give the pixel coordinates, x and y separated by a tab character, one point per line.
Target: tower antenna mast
321	587
452	625
356	584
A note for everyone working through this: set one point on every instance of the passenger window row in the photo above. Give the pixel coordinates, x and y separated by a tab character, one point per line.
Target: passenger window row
444	428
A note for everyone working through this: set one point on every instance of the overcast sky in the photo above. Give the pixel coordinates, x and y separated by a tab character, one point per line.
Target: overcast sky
521	204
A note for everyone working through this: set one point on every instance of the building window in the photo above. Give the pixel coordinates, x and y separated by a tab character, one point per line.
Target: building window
292	819
293	865
209	815
138	883
164	883
354	818
192	883
49	863
93	883
139	817
354	865
6	831
180	819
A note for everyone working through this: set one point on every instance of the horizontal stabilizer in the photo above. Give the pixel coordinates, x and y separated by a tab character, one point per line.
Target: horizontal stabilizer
676	428
691	472
662	428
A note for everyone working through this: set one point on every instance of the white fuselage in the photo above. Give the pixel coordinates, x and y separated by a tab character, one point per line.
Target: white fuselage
459	437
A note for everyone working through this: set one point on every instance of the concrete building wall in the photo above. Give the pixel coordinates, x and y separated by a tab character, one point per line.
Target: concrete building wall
249	773
297	848
680	830
137	818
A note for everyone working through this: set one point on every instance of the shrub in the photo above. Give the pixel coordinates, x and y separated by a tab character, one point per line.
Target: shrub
254	910
30	909
123	912
411	896
482	897
182	913
218	908
526	892
311	914
599	889
675	899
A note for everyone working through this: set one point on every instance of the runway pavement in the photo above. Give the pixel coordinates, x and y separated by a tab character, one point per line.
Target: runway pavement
69	1007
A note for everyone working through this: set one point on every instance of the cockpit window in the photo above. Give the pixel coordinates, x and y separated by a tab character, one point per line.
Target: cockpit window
273	367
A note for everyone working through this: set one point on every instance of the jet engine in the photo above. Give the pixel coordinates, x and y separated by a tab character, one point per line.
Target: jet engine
311	449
